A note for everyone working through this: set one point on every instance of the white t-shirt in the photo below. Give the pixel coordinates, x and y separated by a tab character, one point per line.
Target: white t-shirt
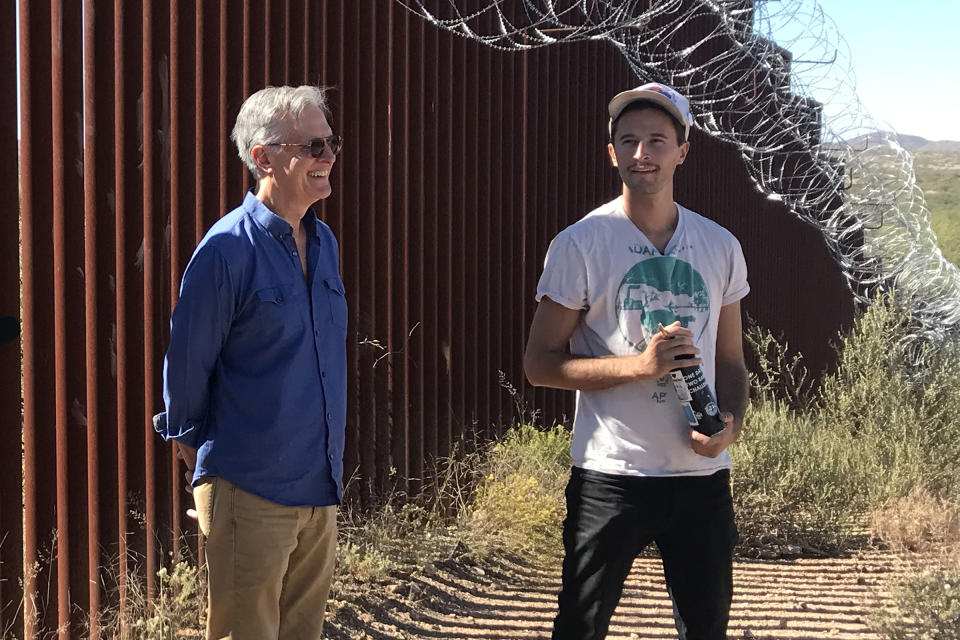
606	267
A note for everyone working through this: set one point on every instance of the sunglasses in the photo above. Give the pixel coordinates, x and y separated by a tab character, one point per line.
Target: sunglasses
316	147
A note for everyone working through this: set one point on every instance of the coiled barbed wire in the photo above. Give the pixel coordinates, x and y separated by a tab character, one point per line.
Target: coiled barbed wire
751	70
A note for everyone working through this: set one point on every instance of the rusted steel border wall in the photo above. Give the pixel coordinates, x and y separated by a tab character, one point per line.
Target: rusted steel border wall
11	480
461	163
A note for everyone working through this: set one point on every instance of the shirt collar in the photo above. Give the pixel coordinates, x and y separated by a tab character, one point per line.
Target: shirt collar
274	224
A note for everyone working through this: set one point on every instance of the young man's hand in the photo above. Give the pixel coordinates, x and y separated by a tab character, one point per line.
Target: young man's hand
548	362
712	446
659	357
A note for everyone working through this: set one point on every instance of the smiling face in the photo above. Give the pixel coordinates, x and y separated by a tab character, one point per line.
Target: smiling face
292	176
645	150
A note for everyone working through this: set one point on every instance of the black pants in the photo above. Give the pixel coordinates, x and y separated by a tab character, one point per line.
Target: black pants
611	518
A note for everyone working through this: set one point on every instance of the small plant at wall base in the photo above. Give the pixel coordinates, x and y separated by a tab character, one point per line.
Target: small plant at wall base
178	606
519	504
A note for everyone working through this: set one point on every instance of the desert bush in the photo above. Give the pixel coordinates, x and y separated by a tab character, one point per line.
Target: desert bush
518	505
179	604
899	404
794	481
538	452
364	561
885	423
779	373
926	606
505	495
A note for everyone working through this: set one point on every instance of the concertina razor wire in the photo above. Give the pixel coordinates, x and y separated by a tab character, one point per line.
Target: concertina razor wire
751	70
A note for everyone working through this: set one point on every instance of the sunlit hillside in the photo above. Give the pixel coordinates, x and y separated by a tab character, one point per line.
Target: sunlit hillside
938	174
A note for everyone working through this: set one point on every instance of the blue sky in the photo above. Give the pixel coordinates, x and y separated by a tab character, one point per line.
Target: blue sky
906	58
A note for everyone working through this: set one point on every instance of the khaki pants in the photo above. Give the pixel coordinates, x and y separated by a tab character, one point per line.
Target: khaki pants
269	567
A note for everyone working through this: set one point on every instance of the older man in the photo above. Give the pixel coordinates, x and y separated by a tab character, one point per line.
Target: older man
255	378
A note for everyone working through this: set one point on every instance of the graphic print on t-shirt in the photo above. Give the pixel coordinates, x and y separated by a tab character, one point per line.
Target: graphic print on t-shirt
661	290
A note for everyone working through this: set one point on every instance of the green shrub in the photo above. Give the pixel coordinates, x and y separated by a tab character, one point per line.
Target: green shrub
795	482
505	495
926	607
901	405
877	428
780	373
363	562
518	505
516	512
526	448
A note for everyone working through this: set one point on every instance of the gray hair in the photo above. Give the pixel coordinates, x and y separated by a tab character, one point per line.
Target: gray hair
269	115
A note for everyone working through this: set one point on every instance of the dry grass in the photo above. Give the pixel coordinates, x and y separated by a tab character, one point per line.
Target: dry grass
504	496
926	601
917	522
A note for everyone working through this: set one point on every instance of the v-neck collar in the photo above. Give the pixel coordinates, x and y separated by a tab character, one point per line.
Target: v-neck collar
674	239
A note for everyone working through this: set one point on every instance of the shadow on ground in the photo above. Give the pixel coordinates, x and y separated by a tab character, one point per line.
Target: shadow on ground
510	599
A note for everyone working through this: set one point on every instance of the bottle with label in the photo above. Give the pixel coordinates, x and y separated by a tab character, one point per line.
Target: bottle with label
696	398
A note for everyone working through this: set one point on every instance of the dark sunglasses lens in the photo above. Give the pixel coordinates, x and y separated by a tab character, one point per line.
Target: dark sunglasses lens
317	145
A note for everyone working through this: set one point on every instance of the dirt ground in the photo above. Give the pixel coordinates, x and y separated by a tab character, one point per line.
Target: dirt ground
788	599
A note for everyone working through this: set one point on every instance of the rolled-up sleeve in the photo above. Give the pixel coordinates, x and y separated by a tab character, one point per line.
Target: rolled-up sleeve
737	286
198	329
564	279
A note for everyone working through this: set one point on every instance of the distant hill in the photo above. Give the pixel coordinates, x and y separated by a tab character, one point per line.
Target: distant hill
941	146
908	142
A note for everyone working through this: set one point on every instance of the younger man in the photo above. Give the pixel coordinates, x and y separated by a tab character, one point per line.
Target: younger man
640	473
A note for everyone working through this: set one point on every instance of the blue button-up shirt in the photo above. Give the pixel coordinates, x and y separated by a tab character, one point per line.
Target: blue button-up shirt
255	376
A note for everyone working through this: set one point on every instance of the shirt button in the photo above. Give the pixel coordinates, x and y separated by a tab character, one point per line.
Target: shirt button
323	374
329	416
316	332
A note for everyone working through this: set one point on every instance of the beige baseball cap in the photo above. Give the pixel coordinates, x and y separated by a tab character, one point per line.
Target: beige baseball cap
659	94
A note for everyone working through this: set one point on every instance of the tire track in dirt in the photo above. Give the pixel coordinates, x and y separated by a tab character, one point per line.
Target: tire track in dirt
795	599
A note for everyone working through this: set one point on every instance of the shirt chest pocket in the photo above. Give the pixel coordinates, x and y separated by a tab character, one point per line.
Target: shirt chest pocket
336	301
279	308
